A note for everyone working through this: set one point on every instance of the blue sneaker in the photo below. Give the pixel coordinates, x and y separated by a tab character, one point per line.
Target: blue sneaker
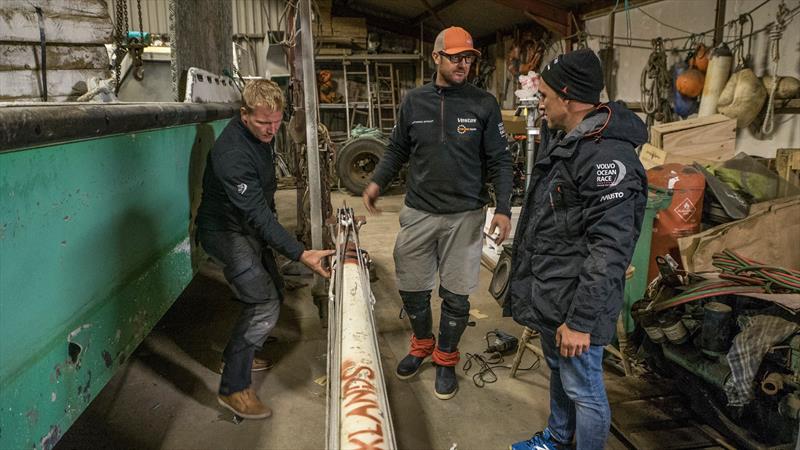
542	440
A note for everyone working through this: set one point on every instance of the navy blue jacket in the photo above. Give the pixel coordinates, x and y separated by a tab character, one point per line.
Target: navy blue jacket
579	225
239	190
453	139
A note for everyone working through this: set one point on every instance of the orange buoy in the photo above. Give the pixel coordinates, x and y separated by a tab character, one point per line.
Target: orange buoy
700	58
690	83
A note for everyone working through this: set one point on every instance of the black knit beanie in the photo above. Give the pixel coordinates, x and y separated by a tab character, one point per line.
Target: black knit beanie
576	75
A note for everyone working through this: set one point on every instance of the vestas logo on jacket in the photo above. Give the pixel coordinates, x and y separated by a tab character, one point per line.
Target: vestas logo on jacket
610	174
464	128
241	188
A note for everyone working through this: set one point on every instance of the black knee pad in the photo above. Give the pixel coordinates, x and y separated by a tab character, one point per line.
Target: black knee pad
454	305
416	302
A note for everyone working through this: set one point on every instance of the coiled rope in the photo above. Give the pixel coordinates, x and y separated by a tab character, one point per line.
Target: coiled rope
775	35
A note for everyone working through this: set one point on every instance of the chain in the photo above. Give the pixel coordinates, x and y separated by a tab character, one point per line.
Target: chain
137	47
120	38
655	100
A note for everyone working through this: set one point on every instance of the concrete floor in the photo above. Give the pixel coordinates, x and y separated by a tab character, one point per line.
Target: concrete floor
165	395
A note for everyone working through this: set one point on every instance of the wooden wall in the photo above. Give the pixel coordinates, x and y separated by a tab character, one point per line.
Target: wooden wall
75	31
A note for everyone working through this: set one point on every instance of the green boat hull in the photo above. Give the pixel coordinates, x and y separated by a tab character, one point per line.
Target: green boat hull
94	248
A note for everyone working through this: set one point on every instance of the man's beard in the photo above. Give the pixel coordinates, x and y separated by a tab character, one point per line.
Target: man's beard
449	79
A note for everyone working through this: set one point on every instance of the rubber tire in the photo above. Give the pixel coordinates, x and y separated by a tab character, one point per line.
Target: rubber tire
352	152
500	277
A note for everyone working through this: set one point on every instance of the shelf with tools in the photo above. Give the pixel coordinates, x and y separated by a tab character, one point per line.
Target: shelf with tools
362	89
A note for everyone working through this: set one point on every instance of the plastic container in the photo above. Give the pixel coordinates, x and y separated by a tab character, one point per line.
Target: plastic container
682	216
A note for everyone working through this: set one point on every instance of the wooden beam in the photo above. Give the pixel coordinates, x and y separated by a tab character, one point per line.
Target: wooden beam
599	8
436	9
387	22
434	13
559	29
539	9
719	22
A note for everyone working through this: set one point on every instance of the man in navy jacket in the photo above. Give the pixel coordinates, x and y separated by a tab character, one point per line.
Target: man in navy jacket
576	235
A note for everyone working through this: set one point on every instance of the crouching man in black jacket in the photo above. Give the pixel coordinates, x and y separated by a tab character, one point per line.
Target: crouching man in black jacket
237	226
577	232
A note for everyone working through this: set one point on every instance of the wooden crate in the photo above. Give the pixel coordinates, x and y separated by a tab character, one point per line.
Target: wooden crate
787	162
711	138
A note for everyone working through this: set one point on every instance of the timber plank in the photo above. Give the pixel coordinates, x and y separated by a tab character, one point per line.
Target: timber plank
81	8
650	413
23	26
17	84
26	57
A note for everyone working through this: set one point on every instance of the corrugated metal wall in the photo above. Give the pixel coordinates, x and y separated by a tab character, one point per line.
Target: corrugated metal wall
252	18
155	15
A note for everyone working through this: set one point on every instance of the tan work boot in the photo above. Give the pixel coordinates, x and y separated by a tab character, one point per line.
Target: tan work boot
245	404
259	365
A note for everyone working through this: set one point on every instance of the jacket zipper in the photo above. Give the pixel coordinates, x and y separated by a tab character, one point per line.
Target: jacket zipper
441	109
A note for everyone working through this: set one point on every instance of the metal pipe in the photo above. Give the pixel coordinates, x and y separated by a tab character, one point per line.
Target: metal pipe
531	112
312	146
773	383
358	404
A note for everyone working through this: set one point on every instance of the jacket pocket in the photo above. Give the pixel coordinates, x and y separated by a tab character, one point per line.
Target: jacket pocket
553	282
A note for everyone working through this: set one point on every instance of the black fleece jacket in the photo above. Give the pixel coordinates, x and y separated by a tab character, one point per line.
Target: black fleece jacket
453	139
239	190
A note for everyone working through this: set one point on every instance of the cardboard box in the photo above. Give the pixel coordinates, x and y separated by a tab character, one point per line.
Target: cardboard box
514	124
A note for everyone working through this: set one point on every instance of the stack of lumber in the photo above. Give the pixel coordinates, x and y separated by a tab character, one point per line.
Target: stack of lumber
705	140
346	31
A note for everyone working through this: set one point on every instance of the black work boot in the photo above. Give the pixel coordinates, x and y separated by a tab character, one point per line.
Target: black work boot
453	322
418	308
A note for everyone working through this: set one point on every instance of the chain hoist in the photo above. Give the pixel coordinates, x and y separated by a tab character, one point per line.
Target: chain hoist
655	85
125	43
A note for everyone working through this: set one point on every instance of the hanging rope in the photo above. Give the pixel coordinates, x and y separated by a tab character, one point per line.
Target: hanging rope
775	35
655	84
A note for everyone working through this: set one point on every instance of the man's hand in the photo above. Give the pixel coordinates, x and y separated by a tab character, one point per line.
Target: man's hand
370	196
571	343
501	223
313	260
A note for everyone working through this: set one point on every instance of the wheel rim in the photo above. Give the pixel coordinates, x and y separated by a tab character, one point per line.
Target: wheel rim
362	166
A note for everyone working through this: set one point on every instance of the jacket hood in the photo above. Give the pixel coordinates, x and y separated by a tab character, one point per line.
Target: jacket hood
608	121
621	124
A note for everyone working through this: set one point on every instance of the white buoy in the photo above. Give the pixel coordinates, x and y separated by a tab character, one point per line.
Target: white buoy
719	69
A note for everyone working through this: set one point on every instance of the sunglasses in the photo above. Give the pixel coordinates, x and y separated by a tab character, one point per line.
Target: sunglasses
468	58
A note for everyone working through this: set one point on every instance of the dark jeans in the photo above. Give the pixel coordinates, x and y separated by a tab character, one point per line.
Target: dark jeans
249	267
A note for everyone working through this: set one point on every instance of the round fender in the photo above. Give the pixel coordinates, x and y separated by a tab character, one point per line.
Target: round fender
690	82
742	98
788	87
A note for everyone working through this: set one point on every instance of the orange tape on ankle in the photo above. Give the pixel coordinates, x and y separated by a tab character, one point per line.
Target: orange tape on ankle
422	347
446	359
